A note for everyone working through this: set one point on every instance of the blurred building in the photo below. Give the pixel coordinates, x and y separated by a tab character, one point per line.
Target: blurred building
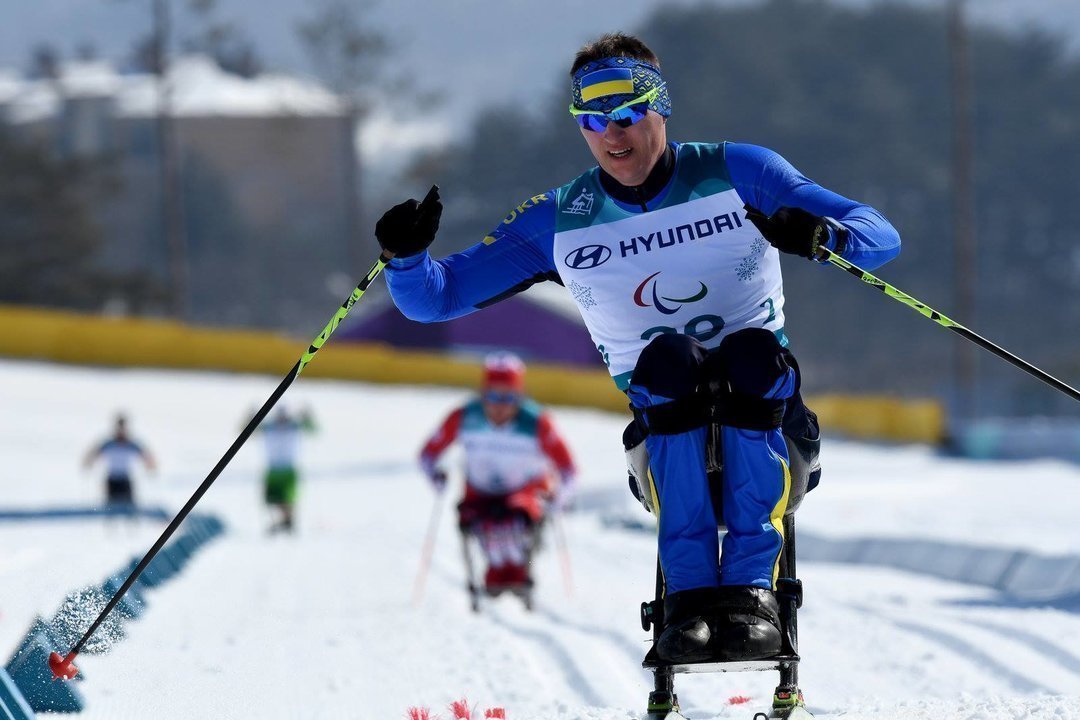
263	179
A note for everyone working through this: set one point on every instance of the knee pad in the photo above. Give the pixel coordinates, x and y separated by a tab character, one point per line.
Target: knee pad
748	362
670	366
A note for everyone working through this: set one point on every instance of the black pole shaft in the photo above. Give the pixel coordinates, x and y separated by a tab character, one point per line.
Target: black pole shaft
267	406
196	496
1017	362
946	322
966	269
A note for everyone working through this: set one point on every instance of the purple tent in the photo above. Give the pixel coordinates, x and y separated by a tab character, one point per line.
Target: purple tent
540	325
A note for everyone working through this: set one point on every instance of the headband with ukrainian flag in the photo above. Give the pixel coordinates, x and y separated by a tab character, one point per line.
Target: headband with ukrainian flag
605	84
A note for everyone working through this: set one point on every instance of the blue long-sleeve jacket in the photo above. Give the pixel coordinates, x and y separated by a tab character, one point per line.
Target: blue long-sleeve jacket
530	245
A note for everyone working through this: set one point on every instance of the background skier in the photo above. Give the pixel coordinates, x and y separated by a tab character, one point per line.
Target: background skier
515	464
119	453
281	437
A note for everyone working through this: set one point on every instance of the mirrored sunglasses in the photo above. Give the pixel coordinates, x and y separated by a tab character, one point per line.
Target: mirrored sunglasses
627	114
492	396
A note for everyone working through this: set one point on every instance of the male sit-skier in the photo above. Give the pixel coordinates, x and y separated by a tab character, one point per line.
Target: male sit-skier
512	454
670	251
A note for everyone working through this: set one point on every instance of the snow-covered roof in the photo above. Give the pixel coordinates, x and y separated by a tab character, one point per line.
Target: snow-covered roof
94	78
198	88
30	102
9	84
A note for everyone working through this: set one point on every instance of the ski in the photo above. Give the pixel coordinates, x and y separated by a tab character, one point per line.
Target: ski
787	705
663	706
666	715
798	712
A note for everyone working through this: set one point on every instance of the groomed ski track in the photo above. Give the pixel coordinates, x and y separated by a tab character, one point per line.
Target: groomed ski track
321	625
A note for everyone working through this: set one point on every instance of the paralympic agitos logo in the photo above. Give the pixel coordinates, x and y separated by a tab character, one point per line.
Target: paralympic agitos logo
639	296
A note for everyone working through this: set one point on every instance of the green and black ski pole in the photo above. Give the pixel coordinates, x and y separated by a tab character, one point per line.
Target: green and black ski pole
945	322
63	666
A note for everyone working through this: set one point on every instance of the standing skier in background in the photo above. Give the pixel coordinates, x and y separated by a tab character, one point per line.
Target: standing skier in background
512	452
120	453
281	437
672	253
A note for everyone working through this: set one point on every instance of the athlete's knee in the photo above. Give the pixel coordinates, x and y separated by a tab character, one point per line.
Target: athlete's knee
752	362
669	366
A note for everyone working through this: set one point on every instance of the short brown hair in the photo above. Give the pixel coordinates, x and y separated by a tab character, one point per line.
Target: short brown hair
614	44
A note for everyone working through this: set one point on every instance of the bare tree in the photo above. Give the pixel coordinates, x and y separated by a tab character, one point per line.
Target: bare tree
348	55
44	62
222	41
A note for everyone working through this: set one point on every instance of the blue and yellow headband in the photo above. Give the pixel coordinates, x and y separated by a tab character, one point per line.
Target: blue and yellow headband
605	84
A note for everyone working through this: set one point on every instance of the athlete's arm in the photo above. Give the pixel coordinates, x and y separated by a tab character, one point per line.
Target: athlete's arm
516	255
767	181
147	458
554	446
92	455
443	438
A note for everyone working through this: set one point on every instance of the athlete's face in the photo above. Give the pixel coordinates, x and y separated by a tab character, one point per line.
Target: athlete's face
629	154
501	403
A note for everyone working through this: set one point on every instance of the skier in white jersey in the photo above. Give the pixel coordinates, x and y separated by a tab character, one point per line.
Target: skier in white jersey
671	251
280	484
119	453
516	464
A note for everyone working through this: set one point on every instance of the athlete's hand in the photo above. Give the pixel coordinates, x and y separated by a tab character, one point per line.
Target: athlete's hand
563	497
438	480
409	227
792	230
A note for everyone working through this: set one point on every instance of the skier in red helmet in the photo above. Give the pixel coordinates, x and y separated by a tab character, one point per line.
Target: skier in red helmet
516	466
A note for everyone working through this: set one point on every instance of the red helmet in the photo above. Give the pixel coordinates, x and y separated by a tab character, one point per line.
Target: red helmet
504	369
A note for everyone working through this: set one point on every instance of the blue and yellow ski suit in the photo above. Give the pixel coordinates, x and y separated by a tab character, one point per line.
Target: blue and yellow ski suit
680	259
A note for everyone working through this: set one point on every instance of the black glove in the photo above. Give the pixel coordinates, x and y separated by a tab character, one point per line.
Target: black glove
438	479
409	227
796	231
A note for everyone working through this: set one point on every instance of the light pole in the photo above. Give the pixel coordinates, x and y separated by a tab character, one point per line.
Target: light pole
172	204
963	202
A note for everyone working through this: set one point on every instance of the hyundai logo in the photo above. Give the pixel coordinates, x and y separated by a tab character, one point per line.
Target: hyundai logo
588	256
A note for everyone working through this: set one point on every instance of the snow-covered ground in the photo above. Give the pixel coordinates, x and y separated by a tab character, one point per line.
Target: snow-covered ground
321	625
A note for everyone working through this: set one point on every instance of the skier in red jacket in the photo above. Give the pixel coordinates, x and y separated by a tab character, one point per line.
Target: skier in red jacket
516	465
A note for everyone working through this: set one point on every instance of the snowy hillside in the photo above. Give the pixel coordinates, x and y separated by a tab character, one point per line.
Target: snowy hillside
320	625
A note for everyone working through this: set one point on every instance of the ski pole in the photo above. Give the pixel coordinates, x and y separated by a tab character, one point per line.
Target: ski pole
945	322
429	547
63	667
470	572
564	554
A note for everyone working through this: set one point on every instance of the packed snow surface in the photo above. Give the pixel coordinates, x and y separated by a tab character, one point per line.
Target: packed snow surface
322	624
